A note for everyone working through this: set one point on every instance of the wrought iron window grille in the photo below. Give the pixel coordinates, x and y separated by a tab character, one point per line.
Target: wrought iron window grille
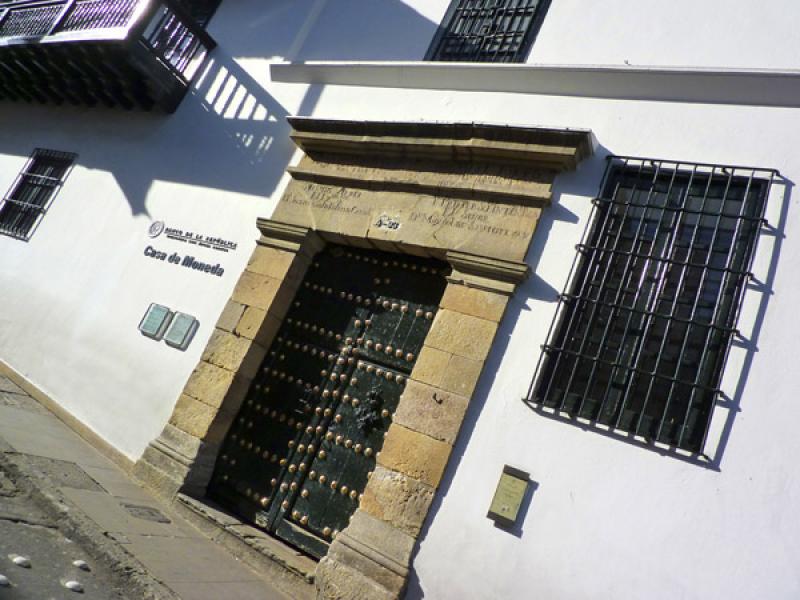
640	338
33	191
487	30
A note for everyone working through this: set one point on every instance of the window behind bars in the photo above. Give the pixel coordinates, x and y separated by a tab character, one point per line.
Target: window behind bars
487	30
640	338
32	192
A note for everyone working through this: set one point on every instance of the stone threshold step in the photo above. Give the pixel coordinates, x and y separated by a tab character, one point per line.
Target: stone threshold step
285	568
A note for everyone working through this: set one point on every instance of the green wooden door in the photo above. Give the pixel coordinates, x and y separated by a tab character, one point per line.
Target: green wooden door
298	455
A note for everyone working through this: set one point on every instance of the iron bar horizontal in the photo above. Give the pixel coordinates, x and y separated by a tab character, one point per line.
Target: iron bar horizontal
650	313
22	203
661	259
663	161
633	369
42	179
676	209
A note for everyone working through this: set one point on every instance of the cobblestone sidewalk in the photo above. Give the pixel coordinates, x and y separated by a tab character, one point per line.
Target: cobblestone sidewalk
90	509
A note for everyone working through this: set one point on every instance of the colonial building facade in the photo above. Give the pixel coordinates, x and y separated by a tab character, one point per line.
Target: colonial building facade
445	299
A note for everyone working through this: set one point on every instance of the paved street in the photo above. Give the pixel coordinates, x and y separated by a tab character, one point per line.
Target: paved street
55	485
25	530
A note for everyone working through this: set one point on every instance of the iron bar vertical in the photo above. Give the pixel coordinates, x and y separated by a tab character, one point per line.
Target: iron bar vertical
724	282
657	286
619	292
670	318
698	294
69	5
593	215
592	260
748	269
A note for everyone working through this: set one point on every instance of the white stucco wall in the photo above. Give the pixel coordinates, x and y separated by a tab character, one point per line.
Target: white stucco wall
608	519
73	295
734	33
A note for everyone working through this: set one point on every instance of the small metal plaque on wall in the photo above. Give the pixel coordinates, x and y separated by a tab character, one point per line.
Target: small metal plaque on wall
508	496
155	321
181	331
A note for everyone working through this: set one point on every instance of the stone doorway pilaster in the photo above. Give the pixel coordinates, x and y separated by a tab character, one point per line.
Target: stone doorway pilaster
468	194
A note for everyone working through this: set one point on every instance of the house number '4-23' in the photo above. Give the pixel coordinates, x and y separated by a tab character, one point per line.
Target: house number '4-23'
387	222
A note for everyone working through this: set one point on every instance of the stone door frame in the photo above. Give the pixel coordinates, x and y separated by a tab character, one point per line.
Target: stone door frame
350	173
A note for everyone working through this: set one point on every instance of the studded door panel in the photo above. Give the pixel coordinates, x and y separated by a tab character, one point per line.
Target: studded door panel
299	454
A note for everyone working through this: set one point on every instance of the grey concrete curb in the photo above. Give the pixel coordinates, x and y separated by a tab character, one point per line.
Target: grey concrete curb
133	579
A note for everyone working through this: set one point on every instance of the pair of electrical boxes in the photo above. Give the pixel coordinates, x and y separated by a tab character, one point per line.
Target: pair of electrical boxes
176	328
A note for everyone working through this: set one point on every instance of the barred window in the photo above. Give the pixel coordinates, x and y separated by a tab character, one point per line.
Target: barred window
33	191
487	30
640	339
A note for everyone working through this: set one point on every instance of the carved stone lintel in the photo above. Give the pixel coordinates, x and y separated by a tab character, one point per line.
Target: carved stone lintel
558	149
431	182
490	274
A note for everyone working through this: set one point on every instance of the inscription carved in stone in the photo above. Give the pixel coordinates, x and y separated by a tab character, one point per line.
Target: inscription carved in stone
476	226
470	215
341	200
525	184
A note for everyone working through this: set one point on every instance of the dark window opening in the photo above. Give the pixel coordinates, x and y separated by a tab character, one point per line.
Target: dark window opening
641	337
487	30
33	191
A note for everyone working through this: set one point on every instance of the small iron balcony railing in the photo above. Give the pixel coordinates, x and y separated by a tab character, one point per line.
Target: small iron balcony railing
163	26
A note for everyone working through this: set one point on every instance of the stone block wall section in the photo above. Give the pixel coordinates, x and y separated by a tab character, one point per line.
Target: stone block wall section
468	194
182	458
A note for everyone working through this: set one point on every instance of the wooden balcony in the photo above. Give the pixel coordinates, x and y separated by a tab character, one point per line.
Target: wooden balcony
118	53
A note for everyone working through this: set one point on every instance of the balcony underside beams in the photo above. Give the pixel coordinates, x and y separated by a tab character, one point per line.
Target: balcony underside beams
107	74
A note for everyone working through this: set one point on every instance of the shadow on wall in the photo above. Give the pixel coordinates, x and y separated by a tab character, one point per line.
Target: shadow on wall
765	288
230	133
332	30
